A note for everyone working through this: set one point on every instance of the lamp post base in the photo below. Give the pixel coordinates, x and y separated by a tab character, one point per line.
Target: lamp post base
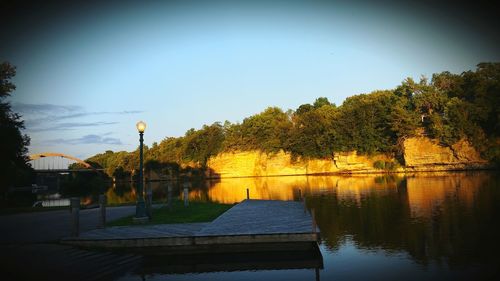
140	212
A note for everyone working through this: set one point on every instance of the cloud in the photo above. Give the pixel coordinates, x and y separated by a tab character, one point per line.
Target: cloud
29	108
87	139
48	117
84	114
71	126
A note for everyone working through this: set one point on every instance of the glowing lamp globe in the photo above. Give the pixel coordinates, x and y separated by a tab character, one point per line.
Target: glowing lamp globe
141	126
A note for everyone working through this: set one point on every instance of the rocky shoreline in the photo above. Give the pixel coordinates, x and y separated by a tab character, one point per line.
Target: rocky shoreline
421	154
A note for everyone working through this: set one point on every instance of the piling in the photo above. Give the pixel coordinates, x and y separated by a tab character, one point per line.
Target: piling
102	213
169	195
186	194
149	200
248	193
313	216
75	216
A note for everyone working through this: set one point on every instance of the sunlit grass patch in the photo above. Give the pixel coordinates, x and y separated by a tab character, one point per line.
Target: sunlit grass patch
195	212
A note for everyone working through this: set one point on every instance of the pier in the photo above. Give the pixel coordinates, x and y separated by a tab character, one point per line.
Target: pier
252	225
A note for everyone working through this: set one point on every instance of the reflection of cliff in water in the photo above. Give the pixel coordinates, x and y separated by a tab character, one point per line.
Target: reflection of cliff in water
430	217
435	216
287	187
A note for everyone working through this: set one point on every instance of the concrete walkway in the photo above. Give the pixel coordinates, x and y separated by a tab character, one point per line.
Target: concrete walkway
51	226
30	249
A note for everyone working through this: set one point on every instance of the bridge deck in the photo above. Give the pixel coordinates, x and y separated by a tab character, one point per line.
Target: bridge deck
251	225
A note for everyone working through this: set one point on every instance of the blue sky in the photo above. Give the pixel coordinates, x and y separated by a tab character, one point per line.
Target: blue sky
87	74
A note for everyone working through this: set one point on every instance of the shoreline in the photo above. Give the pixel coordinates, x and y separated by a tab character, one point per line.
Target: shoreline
360	173
408	170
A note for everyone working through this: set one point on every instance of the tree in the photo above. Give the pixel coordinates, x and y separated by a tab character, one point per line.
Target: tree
450	107
364	124
313	131
202	144
267	131
14	166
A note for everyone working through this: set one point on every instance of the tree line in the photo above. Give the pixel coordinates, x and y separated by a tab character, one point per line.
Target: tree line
448	107
14	167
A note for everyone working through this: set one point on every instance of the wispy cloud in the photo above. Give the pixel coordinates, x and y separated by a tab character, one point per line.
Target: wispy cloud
45	108
45	117
87	139
71	126
84	114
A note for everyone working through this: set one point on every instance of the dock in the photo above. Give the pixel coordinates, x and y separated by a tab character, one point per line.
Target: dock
250	226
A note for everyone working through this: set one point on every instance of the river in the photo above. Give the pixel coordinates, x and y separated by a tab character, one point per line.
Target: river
434	226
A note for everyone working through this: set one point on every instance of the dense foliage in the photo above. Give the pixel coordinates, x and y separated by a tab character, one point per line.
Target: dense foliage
14	167
449	107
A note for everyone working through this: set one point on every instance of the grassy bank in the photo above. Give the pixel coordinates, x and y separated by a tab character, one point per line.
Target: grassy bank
195	212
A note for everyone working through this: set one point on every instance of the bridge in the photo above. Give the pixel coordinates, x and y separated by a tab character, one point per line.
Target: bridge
51	166
57	163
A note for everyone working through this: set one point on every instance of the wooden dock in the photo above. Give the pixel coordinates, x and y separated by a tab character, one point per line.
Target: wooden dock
252	225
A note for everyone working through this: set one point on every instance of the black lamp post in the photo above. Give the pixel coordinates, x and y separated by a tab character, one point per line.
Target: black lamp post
140	210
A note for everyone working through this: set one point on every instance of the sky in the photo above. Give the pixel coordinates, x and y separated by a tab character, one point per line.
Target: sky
88	71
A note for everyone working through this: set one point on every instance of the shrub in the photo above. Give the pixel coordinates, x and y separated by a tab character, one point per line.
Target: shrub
379	165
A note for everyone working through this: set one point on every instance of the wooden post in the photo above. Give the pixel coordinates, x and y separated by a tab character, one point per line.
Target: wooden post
248	194
102	207
149	200
169	195
314	220
300	195
75	216
186	194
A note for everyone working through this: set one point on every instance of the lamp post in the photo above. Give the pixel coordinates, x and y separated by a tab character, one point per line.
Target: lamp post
140	210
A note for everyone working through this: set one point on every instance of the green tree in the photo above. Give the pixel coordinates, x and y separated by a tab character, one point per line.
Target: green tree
364	123
200	145
267	131
313	131
450	107
14	166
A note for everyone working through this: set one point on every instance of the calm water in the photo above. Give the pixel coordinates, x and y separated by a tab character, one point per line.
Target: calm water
424	227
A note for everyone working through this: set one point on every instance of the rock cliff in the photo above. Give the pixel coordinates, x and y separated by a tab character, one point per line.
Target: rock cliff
256	163
420	154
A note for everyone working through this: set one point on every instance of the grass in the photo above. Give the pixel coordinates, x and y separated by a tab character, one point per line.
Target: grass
195	212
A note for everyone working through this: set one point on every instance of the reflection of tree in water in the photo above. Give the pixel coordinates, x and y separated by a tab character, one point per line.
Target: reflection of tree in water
461	232
199	190
124	192
83	184
122	189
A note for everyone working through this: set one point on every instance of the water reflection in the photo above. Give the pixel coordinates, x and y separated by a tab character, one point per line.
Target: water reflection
437	222
440	218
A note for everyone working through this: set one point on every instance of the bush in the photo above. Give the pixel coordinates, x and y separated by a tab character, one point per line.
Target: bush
379	165
390	166
385	165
